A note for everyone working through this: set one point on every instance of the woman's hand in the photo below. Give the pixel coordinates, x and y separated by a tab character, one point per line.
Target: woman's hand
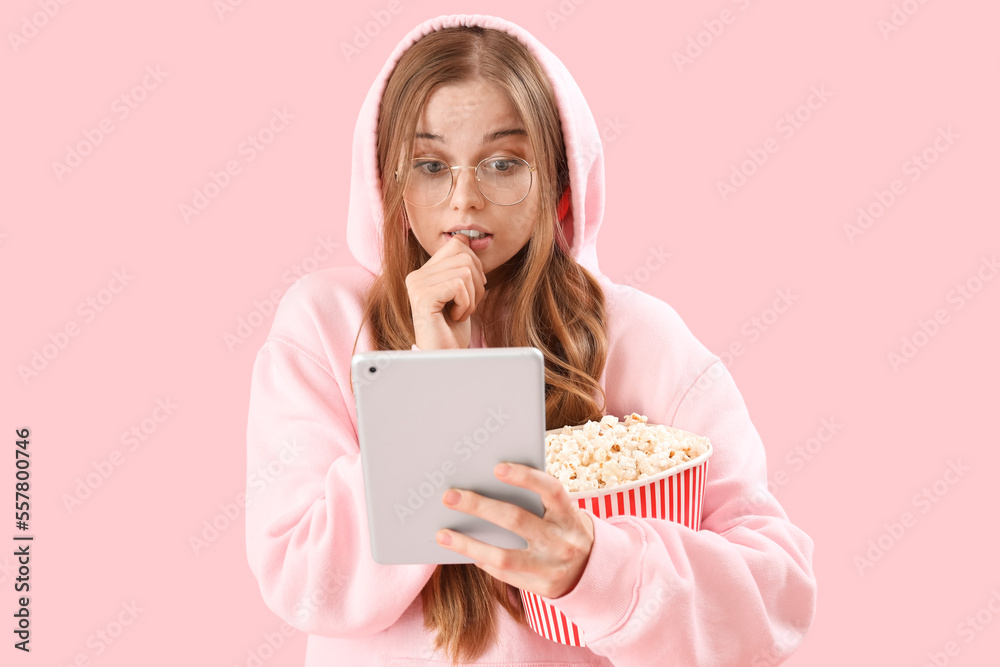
453	274
559	542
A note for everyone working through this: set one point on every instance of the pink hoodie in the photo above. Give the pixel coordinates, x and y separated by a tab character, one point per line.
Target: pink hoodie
740	591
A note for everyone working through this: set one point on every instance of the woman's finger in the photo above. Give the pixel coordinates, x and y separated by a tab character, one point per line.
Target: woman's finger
465	247
475	278
463	301
510	565
445	274
434	291
457	246
506	515
466	280
553	493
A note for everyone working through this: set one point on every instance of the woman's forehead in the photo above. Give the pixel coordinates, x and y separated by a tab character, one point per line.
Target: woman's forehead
476	106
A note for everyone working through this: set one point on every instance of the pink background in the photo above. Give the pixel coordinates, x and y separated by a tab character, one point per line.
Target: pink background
672	133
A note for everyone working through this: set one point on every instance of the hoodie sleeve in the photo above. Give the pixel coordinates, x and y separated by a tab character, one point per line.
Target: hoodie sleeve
306	520
740	591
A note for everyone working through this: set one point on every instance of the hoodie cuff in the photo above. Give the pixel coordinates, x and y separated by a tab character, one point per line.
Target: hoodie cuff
603	598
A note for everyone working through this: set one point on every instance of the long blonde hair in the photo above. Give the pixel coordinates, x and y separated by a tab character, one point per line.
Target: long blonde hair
549	301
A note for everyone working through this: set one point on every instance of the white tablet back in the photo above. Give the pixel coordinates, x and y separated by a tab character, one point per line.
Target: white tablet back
430	420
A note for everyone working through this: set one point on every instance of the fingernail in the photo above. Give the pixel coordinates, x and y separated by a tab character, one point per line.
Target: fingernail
502	470
451	497
444	538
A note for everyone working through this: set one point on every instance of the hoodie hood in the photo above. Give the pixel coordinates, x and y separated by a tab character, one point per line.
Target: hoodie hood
583	151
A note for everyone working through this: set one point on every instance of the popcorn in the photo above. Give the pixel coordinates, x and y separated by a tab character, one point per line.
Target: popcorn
606	453
630	468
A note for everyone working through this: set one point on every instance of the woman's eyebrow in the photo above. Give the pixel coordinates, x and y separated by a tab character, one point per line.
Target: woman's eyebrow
500	134
489	137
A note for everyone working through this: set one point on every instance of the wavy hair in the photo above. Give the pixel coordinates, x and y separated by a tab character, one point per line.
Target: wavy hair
549	301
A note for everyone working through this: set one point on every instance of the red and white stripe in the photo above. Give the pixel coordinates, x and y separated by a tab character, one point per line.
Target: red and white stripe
677	496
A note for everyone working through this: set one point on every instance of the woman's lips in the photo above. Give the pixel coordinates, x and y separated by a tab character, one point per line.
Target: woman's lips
477	244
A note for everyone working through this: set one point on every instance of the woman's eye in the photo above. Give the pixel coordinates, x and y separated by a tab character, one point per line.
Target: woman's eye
430	166
502	165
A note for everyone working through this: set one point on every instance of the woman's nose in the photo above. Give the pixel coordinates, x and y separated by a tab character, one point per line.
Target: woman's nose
466	192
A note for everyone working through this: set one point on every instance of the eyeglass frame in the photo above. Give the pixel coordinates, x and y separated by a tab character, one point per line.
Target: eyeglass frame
531	178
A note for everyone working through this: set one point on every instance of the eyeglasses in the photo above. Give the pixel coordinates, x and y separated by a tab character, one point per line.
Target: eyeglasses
504	180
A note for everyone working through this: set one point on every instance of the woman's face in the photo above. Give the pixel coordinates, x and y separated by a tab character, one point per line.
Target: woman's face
461	124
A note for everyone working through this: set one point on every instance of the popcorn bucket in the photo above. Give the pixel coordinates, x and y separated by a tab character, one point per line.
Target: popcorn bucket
675	495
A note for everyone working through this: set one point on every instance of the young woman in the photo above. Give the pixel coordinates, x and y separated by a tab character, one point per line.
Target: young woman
474	127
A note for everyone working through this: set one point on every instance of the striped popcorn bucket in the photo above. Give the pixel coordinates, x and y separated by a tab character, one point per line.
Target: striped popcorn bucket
675	495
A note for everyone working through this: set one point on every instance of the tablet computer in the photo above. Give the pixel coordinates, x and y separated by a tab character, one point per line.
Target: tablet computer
429	420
